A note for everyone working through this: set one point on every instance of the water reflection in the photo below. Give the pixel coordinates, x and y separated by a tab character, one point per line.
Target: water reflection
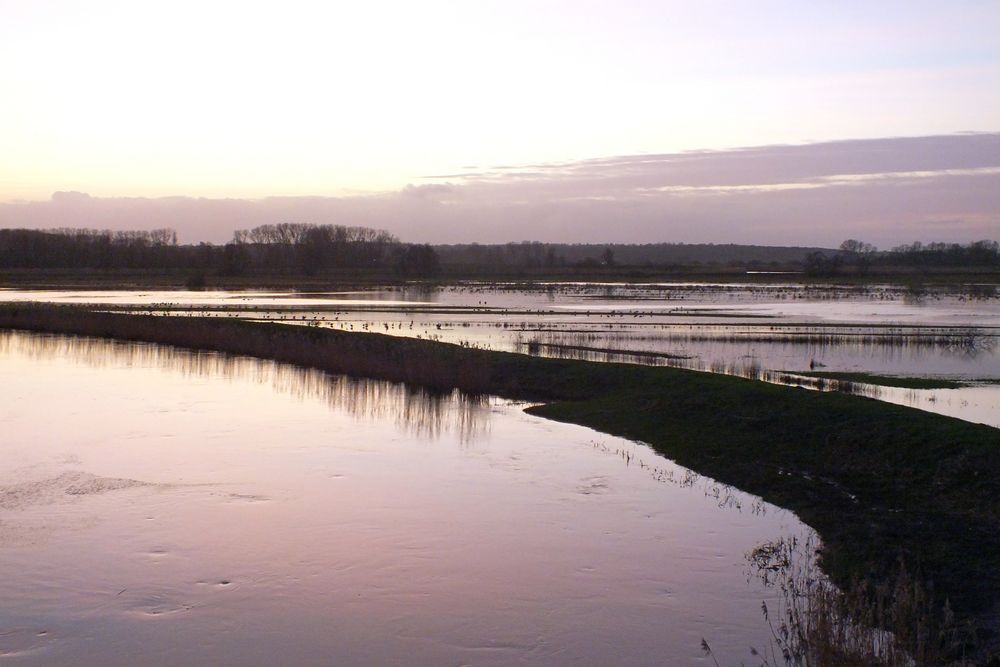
667	340
949	332
189	508
412	409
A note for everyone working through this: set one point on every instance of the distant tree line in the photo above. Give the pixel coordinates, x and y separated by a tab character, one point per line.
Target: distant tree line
860	257
89	248
280	248
307	249
313	249
533	254
980	253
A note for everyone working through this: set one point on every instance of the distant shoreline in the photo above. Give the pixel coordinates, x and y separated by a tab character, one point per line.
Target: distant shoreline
181	279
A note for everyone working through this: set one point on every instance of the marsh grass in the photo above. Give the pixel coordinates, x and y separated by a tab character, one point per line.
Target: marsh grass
966	341
815	624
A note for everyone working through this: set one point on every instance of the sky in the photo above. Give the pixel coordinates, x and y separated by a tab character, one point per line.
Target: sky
454	121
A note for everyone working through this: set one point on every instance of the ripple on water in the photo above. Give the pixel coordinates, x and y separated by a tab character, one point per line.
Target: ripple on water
15	535
248	498
222	584
155	604
157	554
16	642
55	489
596	485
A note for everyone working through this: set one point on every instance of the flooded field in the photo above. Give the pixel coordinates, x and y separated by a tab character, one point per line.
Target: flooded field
764	331
167	507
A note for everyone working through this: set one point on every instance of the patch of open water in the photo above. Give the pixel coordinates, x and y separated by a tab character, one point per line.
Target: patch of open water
741	329
167	507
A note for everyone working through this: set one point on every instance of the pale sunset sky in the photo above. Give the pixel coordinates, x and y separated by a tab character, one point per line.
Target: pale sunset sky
768	122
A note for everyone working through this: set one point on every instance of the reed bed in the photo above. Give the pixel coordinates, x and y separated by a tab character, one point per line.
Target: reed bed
815	624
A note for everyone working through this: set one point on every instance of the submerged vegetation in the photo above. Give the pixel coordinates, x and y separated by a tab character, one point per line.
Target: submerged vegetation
814	623
881	484
885	380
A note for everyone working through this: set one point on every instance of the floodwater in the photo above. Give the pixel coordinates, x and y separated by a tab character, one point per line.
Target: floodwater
742	329
165	507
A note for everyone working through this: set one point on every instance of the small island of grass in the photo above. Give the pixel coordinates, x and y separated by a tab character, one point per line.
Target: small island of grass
884	380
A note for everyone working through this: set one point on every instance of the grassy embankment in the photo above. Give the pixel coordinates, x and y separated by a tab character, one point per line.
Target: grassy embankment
880	483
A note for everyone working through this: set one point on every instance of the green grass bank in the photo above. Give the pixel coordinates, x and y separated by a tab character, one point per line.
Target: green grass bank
885	380
881	484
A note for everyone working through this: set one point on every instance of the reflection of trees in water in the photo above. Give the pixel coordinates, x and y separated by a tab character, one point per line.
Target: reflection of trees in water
414	410
420	292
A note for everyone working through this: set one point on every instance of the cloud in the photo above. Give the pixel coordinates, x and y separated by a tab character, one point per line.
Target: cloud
767	165
435	191
885	191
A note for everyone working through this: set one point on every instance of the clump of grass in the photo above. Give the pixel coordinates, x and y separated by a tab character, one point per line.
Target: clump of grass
893	623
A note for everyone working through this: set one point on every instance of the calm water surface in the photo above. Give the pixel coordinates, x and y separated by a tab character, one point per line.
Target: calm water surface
743	329
165	507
